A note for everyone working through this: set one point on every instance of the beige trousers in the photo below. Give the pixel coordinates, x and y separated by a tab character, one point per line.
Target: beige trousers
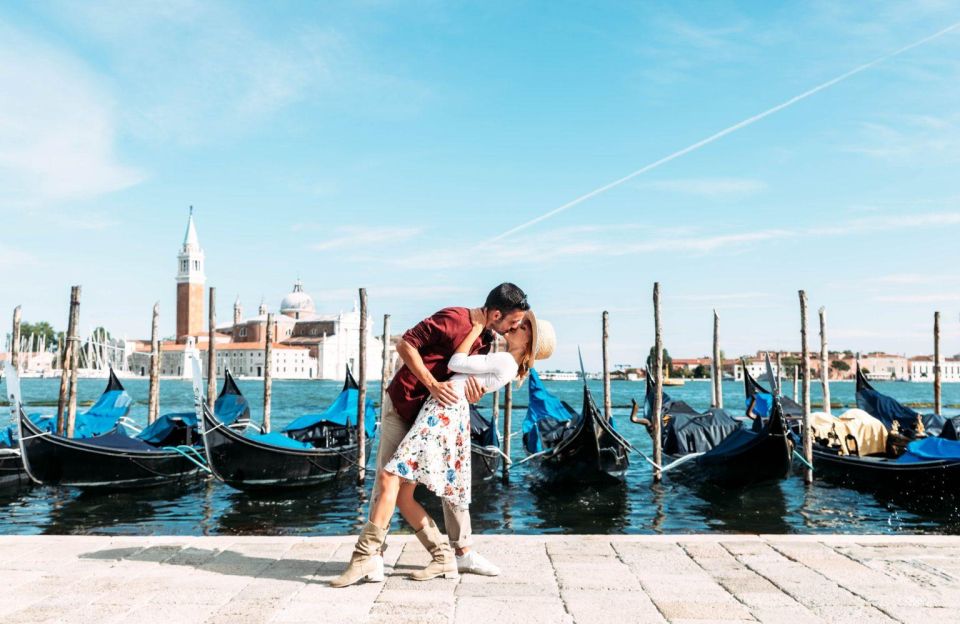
392	431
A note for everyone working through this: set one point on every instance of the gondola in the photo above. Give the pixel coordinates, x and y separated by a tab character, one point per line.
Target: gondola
730	455
312	449
568	445
485	455
924	475
164	452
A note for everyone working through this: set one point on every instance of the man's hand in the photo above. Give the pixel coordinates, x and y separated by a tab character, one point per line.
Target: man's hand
443	392
473	390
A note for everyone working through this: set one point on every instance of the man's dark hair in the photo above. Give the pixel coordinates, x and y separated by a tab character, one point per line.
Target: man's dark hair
506	298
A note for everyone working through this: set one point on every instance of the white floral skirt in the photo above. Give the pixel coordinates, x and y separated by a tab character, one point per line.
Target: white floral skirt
436	451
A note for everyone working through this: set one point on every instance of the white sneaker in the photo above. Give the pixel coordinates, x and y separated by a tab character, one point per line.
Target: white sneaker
475	563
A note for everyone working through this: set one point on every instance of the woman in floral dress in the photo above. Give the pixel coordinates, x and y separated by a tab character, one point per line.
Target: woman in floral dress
436	452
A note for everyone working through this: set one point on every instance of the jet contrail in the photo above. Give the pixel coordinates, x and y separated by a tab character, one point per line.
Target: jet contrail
719	135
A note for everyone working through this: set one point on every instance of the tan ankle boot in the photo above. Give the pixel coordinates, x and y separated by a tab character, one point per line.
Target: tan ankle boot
366	562
444	563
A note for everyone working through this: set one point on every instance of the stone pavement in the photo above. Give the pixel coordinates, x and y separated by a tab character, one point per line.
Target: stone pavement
582	579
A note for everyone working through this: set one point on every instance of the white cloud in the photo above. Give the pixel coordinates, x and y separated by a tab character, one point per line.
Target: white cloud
351	236
13	257
198	72
911	140
913	278
922	298
712	188
57	127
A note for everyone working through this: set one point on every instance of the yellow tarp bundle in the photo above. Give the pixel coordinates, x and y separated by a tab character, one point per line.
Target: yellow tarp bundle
869	432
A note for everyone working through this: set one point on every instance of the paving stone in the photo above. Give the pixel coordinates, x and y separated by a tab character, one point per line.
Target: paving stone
563	579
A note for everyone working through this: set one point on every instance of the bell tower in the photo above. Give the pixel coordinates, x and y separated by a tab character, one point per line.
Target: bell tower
190	281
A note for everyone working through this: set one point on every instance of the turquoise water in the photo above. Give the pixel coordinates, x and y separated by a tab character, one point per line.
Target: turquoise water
521	504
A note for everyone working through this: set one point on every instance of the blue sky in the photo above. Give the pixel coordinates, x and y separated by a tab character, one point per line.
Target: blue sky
387	144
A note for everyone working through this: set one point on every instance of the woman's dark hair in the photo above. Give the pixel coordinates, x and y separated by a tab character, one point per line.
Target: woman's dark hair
506	298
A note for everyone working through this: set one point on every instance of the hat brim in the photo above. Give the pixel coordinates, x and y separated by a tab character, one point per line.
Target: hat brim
534	336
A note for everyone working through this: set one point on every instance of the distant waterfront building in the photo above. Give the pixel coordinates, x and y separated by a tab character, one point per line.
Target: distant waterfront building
921	369
332	340
884	366
307	345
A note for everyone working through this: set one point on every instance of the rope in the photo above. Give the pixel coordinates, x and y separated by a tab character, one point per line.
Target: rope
36	435
803	460
199	463
668	467
497	449
529	457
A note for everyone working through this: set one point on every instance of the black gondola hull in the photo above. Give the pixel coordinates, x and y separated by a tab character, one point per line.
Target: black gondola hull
769	458
246	464
54	460
594	453
931	484
484	463
12	475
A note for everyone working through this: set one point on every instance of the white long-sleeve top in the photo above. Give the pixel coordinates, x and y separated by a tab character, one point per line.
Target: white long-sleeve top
492	371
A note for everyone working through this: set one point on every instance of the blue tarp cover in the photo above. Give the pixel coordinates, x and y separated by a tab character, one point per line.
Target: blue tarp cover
544	412
7	437
929	449
342	412
885	408
278	439
103	416
762	405
164	426
229	408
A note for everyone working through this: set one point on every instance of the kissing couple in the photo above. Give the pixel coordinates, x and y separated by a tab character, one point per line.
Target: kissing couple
425	427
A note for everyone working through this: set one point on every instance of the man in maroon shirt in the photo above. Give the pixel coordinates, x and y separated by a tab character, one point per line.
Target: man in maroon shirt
425	350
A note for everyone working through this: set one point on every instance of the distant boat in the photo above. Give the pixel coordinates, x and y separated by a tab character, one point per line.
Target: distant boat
559	376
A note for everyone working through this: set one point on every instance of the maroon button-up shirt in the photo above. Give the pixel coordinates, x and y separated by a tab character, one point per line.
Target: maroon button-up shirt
435	338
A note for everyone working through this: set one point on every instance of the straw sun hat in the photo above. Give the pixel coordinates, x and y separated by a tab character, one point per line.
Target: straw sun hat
544	337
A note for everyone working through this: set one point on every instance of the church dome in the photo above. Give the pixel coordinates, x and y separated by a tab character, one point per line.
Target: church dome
297	303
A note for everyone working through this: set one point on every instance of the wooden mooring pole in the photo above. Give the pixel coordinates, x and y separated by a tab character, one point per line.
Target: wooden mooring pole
212	351
74	360
267	375
495	401
796	382
507	416
64	355
607	401
824	360
15	339
153	396
362	393
805	368
385	368
657	417
780	375
716	375
937	403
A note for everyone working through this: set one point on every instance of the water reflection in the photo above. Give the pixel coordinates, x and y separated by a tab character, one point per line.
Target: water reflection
579	508
758	509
